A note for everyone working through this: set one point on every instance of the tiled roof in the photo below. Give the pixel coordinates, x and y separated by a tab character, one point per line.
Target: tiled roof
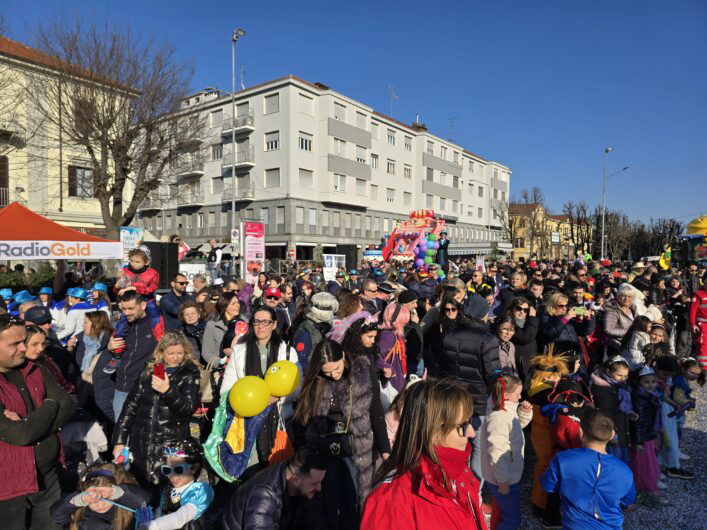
522	209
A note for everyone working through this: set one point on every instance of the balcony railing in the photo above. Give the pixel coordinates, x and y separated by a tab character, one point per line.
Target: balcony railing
190	198
244	123
4	197
244	192
153	201
188	166
244	158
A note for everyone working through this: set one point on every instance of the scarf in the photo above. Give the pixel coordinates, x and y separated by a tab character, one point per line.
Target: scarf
520	322
624	393
654	397
138	271
453	461
91	347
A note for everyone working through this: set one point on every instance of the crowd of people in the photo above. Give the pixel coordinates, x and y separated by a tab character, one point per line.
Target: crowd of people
418	393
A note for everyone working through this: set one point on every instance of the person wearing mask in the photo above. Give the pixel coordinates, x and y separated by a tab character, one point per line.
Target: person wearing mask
340	396
259	348
281	496
160	405
34	408
228	309
137	347
470	355
169	303
426	482
192	323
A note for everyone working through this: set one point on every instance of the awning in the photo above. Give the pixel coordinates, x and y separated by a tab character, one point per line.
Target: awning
26	235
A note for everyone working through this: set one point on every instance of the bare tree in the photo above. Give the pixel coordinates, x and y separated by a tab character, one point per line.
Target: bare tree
618	229
509	224
116	98
664	231
579	219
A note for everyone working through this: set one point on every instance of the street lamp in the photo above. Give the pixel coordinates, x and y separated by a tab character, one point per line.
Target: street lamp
237	34
603	200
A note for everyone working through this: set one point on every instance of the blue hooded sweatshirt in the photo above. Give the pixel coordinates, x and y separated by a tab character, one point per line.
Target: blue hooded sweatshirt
593	486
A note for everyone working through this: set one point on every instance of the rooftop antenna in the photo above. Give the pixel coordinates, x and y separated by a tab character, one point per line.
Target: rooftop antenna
393	96
452	128
242	76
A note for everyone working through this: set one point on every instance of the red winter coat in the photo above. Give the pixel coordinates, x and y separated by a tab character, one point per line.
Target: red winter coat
566	433
418	499
145	283
698	317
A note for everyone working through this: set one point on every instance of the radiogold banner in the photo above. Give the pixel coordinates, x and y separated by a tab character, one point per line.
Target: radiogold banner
89	250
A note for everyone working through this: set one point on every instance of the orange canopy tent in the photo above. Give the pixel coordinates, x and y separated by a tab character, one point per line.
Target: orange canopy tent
26	235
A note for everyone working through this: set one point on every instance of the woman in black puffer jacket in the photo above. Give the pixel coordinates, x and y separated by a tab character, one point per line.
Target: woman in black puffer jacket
158	411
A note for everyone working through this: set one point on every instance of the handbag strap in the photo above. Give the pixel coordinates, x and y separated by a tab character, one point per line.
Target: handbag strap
348	421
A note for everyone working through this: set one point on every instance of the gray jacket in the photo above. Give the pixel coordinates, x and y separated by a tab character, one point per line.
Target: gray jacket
213	336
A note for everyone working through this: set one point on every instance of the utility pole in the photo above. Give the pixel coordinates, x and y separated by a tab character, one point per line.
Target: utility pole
237	33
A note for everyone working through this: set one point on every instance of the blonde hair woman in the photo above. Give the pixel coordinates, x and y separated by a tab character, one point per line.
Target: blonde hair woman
160	405
426	482
563	326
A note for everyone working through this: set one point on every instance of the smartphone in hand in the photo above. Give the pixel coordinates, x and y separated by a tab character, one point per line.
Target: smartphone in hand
159	370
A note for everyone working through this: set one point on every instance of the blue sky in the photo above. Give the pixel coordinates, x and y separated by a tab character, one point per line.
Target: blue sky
540	86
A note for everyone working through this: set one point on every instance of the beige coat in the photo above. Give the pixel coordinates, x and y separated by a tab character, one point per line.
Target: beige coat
503	444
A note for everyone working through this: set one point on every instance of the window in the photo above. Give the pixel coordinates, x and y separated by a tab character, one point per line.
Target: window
374	161
299	215
374	192
216	152
272	178
80	182
407	172
367	223
265	216
430	148
374	130
442	203
503	195
376	224
217	186
481	191
360	154
347	220
407	198
306	178
312	217
249	213
471	187
443	152
280	215
481	212
430	174
455	182
428	201
272	141
360	120
386	225
357	222
305	141
272	103
340	147
325	219
360	187
408	143
339	182
495	193
455	206
216	118
305	104
390	167
242	111
443	178
339	111
456	157
390	195
471	166
200	220
391	137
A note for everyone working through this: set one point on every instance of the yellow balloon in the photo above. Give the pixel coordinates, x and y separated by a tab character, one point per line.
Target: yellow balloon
249	396
282	378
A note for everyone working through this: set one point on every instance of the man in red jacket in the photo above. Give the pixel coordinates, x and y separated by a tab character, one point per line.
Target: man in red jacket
698	321
33	409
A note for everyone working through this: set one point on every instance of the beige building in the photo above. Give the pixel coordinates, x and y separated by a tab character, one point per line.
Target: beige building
36	167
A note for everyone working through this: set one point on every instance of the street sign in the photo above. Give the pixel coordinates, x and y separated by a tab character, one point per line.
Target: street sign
235	237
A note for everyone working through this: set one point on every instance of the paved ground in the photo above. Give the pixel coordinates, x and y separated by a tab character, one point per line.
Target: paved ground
688	508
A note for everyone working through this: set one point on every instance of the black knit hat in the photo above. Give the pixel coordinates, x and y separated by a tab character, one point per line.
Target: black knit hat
407	296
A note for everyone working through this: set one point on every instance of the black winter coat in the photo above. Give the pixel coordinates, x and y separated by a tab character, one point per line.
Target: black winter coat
564	335
524	341
150	419
647	406
62	510
606	399
470	354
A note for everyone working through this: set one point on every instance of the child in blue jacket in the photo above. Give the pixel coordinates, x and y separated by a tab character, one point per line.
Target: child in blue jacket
593	485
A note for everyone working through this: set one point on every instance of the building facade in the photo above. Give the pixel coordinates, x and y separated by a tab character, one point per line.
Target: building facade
36	168
319	168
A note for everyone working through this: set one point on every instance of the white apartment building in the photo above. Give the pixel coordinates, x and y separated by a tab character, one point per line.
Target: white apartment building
318	167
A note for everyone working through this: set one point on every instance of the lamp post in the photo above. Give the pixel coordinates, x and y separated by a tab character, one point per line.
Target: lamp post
603	200
237	33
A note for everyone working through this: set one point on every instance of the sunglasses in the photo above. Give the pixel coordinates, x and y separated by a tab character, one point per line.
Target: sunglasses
523	309
272	297
462	427
561	305
182	283
179	469
450	310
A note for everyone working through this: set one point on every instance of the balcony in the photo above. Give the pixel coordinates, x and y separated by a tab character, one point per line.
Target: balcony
12	131
244	192
244	124
190	198
245	159
153	202
187	166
